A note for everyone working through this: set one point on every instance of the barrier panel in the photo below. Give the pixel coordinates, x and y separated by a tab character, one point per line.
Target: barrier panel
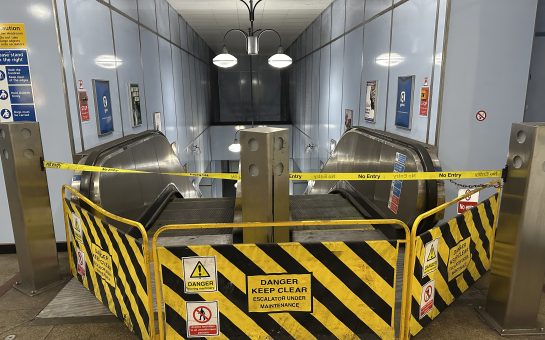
110	264
448	259
283	290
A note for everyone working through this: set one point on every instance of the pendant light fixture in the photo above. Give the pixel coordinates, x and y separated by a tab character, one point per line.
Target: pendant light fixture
226	60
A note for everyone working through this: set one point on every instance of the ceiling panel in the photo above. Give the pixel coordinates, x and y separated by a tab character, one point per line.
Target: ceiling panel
212	18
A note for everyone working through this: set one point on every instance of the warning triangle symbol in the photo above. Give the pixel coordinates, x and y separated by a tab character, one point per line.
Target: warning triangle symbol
199	271
431	255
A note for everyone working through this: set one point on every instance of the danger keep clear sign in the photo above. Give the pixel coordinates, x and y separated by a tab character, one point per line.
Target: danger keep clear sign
200	274
279	293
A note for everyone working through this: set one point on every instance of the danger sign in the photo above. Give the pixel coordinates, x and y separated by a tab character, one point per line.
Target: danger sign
427	298
202	318
200	274
77	227
467	203
279	293
430	257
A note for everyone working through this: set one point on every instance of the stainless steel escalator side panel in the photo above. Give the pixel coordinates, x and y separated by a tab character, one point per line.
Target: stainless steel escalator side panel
363	150
128	195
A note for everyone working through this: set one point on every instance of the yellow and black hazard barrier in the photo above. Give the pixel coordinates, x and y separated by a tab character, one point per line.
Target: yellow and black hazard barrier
448	259
110	264
384	288
343	290
300	176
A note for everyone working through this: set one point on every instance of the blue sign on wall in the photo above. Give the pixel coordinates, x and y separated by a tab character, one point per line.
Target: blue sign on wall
13	57
18	75
103	106
25	113
20	94
404	101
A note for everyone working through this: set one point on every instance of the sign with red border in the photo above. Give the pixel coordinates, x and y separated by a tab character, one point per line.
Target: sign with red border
202	319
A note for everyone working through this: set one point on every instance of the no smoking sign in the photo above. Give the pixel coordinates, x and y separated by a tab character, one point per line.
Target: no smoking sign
480	116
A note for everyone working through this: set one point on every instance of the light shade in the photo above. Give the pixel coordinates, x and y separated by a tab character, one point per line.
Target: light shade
280	60
225	59
235	147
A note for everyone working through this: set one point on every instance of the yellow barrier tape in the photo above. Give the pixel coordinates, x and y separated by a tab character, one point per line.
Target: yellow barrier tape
391	176
307	176
92	168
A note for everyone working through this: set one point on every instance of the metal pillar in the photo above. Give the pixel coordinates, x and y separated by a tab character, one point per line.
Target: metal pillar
28	197
265	182
518	263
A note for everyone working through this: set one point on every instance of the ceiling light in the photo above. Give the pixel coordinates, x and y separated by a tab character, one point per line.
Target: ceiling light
225	59
389	59
40	11
108	61
235	147
280	60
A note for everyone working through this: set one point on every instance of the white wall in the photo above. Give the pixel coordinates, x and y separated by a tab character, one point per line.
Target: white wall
535	100
157	49
486	68
49	98
484	63
331	70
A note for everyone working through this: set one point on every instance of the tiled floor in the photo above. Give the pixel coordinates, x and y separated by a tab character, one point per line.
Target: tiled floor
18	316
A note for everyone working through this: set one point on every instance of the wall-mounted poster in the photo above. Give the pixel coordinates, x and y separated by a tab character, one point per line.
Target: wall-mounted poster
134	102
404	102
103	107
348	116
370	101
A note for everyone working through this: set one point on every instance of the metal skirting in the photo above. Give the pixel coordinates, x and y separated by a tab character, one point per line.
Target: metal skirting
74	301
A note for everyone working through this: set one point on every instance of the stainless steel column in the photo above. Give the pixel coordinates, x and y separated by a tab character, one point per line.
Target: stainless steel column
518	262
265	182
28	197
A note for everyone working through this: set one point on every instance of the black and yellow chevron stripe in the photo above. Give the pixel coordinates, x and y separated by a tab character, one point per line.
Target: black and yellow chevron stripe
128	297
477	224
352	284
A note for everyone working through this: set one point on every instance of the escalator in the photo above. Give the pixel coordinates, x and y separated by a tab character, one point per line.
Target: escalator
156	200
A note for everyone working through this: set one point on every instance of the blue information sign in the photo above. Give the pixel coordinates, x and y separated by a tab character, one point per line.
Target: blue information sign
13	57
23	113
18	75
103	105
404	101
20	94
